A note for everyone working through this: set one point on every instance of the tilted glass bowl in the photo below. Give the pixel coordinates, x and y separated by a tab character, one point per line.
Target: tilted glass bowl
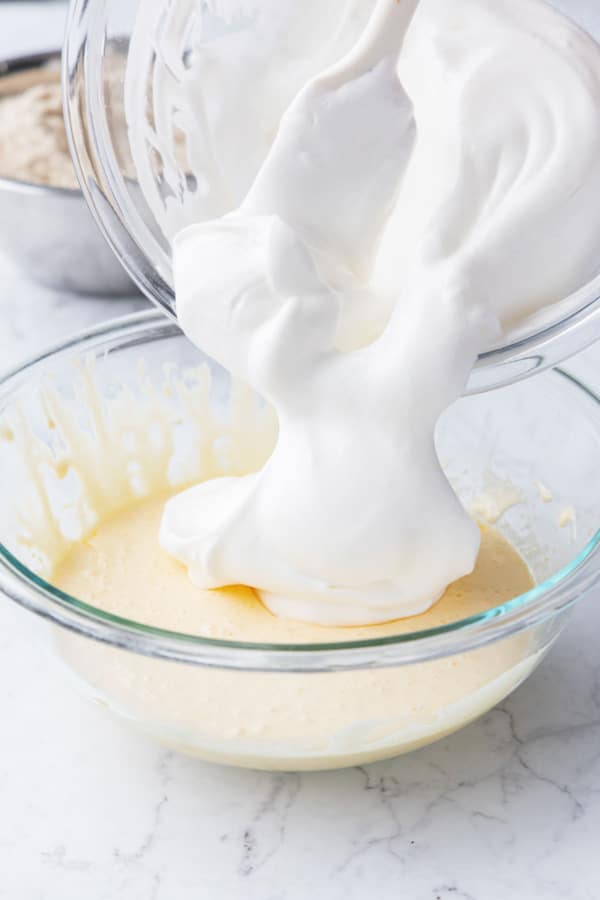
98	44
214	698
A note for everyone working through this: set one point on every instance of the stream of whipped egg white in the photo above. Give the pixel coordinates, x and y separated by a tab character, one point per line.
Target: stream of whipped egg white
421	196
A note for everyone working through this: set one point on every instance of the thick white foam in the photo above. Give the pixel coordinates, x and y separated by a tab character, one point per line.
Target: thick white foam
436	185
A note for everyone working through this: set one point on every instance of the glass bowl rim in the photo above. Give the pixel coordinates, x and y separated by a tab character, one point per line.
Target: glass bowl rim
19	583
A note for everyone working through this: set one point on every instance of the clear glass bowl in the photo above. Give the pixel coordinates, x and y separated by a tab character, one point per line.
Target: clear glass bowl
301	706
98	44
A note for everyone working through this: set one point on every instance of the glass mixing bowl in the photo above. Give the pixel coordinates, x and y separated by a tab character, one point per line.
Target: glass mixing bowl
138	222
290	706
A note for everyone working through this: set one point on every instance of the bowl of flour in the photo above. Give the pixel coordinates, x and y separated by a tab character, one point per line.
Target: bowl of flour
45	223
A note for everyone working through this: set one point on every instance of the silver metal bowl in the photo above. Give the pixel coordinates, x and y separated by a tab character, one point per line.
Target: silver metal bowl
50	231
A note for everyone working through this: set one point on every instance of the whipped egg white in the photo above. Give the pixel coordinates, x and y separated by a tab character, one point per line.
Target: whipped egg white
422	195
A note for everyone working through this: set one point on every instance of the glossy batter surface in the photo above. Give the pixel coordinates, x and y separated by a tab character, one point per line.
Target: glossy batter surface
120	568
271	719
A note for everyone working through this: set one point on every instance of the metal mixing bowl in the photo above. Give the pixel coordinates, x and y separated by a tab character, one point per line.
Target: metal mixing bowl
50	231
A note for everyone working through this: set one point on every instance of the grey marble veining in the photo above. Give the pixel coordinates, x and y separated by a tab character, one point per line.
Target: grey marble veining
508	808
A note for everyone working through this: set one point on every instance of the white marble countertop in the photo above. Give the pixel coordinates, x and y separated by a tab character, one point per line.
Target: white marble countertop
508	808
